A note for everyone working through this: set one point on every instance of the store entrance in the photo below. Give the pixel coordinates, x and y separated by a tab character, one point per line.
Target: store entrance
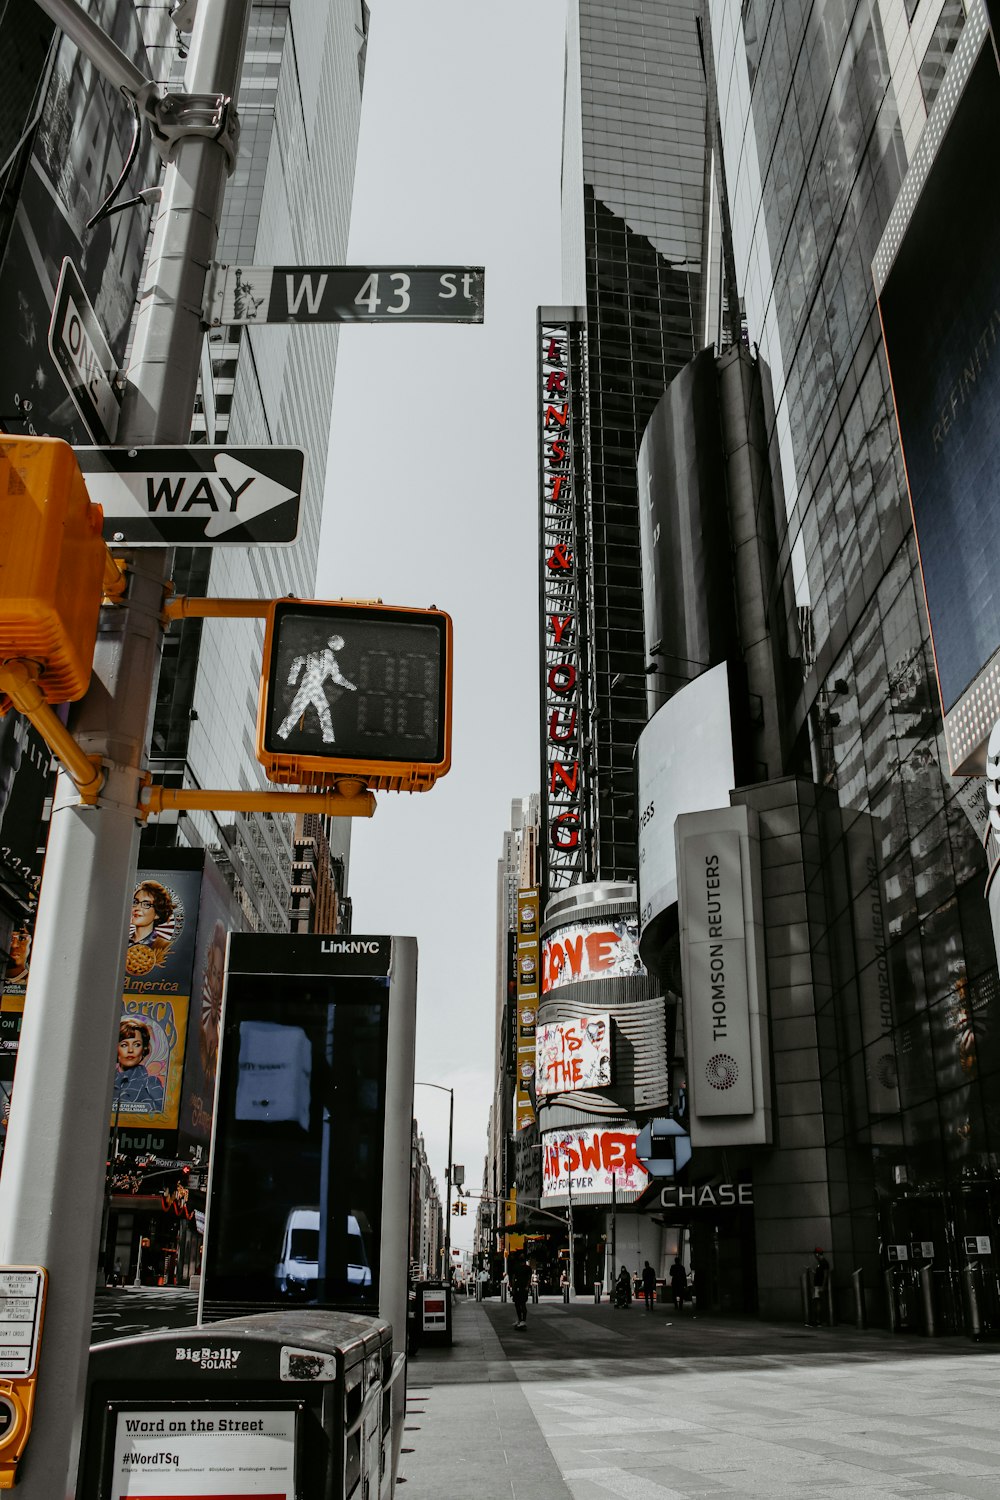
940	1262
720	1257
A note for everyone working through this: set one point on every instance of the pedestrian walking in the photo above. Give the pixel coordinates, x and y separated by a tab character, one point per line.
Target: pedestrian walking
519	1281
648	1286
820	1282
678	1282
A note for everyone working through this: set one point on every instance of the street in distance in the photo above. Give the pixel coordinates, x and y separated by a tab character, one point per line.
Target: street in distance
344	294
195	496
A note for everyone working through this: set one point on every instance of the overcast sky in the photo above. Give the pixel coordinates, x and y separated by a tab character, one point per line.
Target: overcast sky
432	487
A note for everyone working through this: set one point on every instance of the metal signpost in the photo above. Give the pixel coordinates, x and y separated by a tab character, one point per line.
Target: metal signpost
83	357
344	294
197	496
52	1188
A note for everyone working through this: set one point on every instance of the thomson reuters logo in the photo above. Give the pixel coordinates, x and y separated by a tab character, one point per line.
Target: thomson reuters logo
722	1071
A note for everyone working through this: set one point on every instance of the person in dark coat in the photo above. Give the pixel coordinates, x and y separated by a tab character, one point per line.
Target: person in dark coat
519	1280
820	1283
648	1286
678	1282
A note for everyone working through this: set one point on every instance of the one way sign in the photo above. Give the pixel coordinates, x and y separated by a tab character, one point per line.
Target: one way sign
195	497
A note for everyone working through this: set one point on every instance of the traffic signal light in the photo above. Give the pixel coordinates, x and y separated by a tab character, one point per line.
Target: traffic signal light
464	1208
52	558
456	1209
355	690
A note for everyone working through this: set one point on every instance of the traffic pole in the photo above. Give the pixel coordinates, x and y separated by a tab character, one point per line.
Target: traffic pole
447	1215
52	1188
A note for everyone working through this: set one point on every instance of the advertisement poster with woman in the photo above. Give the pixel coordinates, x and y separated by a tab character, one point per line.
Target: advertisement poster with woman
217	915
150	1062
161	932
152	1033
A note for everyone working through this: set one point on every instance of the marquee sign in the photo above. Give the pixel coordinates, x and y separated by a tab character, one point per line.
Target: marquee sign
526	998
563	695
604	949
591	1159
574	1054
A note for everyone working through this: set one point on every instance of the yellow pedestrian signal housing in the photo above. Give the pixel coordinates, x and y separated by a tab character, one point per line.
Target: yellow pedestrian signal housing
52	558
355	690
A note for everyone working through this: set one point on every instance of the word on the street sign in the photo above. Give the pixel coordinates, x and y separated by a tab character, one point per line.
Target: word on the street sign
345	294
83	356
195	497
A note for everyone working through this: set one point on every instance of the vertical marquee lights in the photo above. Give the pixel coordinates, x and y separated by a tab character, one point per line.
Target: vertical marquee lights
565	841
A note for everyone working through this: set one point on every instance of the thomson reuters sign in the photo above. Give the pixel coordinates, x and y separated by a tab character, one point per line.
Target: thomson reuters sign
717	993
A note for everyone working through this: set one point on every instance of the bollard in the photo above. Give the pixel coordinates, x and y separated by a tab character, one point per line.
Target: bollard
503	1291
805	1283
566	1293
971	1293
534	1291
891	1303
860	1310
597	1291
927	1301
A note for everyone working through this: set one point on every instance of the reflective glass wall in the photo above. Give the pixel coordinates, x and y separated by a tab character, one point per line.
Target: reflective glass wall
819	112
635	221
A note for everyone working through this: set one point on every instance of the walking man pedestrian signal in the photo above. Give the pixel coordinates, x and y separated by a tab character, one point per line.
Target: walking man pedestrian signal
355	691
311	672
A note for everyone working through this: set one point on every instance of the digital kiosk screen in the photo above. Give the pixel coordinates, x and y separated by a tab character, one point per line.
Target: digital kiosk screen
294	1216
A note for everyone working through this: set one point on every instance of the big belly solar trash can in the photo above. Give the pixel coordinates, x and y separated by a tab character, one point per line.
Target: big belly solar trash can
299	1399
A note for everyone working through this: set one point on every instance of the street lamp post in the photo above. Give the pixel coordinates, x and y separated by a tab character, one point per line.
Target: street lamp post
572	1236
418	1084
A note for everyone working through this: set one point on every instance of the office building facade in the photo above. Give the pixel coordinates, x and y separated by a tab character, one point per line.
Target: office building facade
288	202
849	1102
640	256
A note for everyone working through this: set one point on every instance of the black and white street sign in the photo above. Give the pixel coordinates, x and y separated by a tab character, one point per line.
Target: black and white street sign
345	294
83	356
195	497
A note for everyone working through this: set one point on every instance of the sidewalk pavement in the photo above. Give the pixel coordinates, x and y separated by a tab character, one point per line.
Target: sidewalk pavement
590	1402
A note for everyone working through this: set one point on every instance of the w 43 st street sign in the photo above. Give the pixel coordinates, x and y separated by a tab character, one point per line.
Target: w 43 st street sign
344	294
195	497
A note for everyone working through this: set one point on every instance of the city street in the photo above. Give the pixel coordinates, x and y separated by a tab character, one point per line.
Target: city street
124	1312
591	1402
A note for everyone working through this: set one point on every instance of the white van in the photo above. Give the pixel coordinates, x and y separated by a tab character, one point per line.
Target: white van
297	1272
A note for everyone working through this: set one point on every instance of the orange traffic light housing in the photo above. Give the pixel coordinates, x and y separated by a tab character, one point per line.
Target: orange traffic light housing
52	561
355	690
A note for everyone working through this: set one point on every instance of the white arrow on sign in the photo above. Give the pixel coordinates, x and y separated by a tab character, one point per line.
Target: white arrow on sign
233	495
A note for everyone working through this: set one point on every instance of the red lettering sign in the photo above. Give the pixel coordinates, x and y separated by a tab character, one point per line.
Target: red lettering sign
568	778
600	950
562	677
556	738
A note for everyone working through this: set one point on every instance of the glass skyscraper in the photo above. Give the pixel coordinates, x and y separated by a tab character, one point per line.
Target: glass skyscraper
637	230
729	170
822	108
288	202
